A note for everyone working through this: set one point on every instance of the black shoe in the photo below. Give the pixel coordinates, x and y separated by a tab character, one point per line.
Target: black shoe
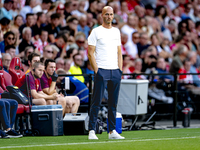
3	135
13	134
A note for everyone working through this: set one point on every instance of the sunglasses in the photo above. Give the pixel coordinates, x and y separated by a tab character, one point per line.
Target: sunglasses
79	59
81	42
49	51
9	38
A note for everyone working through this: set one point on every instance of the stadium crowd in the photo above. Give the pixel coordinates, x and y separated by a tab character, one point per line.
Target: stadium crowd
158	36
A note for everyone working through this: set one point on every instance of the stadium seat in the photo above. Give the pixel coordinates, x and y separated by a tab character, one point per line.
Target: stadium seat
5	78
15	69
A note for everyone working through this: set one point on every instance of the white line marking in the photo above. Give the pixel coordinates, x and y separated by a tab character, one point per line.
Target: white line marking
84	143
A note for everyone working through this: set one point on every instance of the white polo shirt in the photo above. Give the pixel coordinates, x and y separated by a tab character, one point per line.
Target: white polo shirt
106	42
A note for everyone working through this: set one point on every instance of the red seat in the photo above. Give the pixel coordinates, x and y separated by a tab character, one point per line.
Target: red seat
5	78
15	69
20	109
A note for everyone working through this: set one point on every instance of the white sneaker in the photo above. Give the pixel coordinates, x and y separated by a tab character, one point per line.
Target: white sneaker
92	135
115	135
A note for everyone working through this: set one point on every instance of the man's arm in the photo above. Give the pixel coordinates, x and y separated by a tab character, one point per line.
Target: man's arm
51	89
91	50
120	61
40	94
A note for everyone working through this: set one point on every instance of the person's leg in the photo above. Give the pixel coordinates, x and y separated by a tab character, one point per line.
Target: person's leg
4	106
49	102
13	110
62	102
72	104
99	85
113	93
40	101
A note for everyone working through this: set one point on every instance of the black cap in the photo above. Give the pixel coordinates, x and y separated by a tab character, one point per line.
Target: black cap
7	1
149	6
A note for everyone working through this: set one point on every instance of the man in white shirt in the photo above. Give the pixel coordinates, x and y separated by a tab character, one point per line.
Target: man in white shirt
105	56
130	27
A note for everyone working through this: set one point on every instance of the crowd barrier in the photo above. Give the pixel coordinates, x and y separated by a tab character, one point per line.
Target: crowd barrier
133	76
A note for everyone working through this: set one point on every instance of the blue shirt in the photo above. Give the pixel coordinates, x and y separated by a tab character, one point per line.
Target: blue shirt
85	30
5	13
2	47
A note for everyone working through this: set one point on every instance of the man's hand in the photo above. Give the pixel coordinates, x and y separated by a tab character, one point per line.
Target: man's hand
54	77
55	96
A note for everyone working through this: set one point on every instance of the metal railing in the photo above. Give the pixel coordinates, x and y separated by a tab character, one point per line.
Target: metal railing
175	92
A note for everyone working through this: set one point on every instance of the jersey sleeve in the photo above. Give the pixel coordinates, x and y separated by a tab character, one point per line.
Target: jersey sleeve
92	39
44	82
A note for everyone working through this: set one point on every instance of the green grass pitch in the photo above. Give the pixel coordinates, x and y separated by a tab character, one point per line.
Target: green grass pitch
173	139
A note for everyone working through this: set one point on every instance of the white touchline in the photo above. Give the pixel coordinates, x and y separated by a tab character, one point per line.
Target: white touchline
115	141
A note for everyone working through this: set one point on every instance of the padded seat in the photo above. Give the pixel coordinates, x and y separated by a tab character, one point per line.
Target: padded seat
20	109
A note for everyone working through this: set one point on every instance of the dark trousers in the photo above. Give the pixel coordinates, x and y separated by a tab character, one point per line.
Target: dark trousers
111	79
8	110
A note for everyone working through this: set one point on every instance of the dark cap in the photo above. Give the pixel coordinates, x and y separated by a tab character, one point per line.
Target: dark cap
149	6
7	1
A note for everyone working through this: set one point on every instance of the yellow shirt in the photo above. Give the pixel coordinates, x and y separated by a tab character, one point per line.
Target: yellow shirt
77	70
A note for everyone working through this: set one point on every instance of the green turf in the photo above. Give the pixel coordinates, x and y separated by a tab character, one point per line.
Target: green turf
187	139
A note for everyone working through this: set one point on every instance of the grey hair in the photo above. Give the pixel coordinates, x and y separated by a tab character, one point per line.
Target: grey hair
5	54
26	29
191	54
138	60
79	35
58	59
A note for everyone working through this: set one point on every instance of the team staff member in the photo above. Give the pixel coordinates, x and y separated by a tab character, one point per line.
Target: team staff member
48	84
39	97
105	43
32	58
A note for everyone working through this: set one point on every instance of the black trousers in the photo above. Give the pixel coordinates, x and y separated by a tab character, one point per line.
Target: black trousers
111	79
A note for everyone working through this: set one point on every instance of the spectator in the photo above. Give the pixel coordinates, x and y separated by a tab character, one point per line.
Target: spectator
72	23
11	50
7	6
28	50
128	66
138	68
29	23
90	20
60	10
161	68
187	8
177	62
131	46
67	65
149	10
47	52
139	11
123	13
98	23
93	8
61	43
9	39
38	96
15	8
80	10
5	24
80	40
8	109
44	7
18	21
6	59
70	54
161	16
32	58
82	27
68	8
42	41
55	51
28	8
59	63
36	29
53	28
78	62
143	43
26	39
70	104
130	26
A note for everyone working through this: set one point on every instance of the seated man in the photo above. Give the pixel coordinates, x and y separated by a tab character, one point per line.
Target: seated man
6	59
48	84
32	58
76	87
38	97
8	110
